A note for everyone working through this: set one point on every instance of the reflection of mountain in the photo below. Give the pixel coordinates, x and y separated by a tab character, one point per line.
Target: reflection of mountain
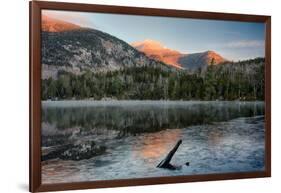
156	145
174	58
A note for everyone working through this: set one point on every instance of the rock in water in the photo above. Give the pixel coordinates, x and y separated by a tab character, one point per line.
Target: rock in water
56	152
80	151
85	150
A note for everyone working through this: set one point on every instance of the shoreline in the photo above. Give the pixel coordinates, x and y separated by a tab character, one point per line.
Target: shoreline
137	102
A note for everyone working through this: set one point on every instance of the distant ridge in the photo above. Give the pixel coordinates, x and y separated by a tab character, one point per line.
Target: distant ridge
200	60
156	50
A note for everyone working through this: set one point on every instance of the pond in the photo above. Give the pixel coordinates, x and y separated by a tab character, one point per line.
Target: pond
132	137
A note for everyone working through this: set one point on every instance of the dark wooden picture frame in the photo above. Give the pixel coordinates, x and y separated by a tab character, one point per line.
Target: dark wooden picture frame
35	94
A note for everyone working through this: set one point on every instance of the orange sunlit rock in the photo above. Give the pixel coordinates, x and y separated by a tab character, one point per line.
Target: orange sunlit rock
157	51
55	25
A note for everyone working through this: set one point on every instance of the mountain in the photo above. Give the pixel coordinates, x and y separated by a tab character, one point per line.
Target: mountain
77	50
156	50
200	60
71	48
50	24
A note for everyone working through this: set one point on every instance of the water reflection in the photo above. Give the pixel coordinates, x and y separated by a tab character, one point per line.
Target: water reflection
135	119
214	138
230	135
155	146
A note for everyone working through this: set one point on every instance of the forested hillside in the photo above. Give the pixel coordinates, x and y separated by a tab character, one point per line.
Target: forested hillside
231	81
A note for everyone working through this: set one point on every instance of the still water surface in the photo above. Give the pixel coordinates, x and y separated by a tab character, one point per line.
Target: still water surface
218	137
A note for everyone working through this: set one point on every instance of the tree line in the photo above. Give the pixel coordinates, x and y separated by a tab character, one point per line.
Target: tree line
231	81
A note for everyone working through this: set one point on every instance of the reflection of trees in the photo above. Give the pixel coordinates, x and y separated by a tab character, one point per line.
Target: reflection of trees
138	119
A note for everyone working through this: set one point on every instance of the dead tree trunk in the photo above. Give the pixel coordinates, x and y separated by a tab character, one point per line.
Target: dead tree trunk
165	163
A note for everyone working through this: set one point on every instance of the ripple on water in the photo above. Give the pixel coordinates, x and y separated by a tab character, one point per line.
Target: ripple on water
220	147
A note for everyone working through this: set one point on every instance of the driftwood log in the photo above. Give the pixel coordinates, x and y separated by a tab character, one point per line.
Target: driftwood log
165	163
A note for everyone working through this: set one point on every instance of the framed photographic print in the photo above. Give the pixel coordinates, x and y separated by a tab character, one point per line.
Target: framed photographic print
123	96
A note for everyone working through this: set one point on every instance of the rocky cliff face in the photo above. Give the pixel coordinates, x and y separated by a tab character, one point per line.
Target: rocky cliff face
87	49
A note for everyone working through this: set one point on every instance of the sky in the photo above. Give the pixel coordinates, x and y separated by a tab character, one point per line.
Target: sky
232	40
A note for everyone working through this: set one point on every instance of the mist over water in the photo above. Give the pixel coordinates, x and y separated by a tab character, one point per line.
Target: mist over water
218	137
